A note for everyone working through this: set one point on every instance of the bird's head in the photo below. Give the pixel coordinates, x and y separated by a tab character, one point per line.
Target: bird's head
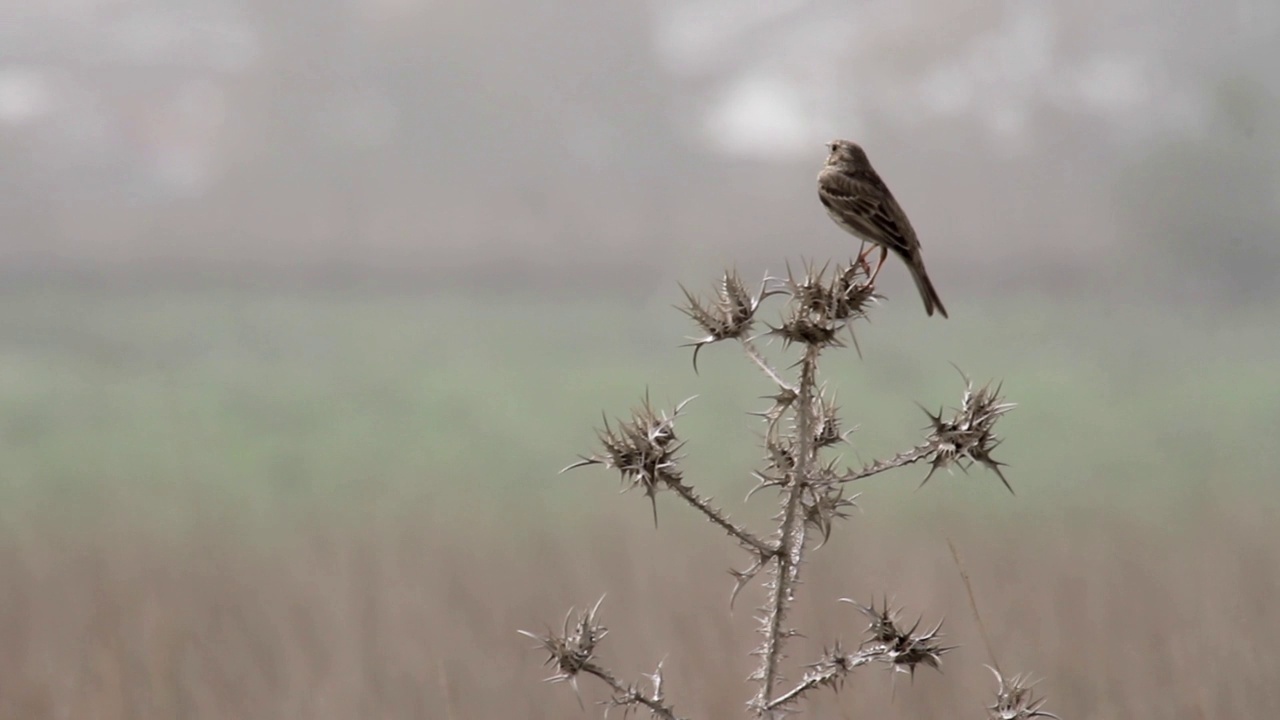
845	153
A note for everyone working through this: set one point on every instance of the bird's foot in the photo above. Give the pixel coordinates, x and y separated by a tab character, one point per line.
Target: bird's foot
884	254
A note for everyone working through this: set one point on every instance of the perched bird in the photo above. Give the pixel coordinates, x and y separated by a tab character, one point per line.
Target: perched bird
859	201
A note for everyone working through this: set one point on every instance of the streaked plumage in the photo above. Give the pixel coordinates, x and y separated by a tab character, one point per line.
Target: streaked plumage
859	201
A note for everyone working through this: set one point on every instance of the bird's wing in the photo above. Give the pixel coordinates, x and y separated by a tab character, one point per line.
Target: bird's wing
864	202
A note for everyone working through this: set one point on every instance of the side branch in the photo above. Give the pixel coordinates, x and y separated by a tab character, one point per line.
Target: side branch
828	672
754	353
902	459
903	648
718	517
626	696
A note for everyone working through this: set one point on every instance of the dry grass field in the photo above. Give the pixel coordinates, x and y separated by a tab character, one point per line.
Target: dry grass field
394	618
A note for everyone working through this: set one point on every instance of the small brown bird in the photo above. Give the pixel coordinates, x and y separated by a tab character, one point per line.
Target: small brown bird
859	201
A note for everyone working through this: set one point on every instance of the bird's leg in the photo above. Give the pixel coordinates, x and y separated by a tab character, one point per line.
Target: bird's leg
884	254
867	249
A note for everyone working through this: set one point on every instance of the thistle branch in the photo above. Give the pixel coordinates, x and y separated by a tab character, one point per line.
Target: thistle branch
875	467
627	696
572	651
721	518
791	539
828	672
756	357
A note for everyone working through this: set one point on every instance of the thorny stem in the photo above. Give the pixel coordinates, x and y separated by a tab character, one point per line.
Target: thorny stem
791	540
902	459
814	680
754	353
625	695
717	517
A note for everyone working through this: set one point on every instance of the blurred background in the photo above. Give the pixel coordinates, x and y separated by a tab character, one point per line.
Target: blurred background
304	305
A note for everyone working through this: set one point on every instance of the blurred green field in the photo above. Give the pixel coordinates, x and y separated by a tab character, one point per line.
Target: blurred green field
272	403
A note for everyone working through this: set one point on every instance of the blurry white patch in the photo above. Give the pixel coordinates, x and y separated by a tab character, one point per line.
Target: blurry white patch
1185	111
1007	119
996	77
357	120
25	96
1112	84
691	36
1024	53
761	118
947	90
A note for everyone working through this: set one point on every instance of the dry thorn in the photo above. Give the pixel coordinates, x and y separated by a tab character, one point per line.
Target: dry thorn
1015	699
644	450
729	315
968	436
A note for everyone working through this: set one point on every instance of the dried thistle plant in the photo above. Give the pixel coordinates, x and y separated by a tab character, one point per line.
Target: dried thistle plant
1015	700
801	423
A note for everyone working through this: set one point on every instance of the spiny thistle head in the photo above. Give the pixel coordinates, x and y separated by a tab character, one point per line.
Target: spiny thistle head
903	648
782	402
822	305
801	326
968	436
729	315
644	450
823	504
1015	699
826	422
780	454
844	295
570	649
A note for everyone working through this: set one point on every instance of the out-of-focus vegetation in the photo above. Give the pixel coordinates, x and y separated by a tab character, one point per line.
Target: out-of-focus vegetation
275	402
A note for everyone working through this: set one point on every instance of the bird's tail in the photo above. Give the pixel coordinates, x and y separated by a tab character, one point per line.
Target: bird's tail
927	293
